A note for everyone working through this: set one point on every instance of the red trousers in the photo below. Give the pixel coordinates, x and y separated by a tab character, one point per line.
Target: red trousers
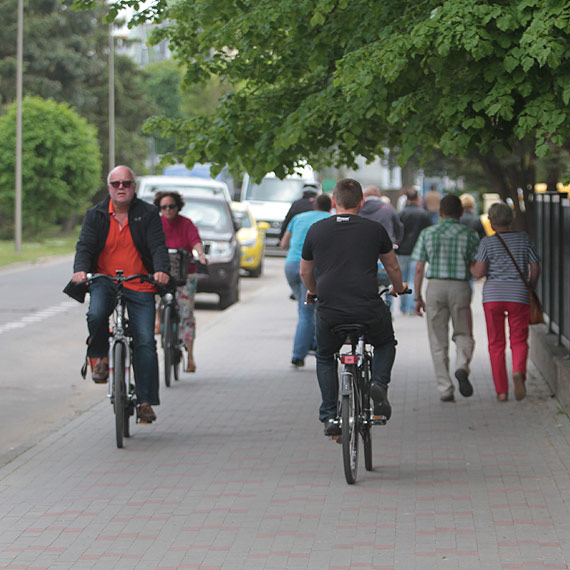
517	315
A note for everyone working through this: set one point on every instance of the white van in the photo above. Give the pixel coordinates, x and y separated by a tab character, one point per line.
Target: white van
270	200
148	186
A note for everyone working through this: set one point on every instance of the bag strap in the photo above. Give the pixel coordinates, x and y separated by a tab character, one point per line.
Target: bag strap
514	262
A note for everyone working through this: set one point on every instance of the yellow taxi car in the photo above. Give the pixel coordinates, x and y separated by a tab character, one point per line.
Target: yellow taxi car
251	237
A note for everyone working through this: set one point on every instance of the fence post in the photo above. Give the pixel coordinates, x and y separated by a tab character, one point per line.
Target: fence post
551	283
561	247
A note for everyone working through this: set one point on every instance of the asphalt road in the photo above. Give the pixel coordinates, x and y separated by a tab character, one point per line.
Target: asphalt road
42	349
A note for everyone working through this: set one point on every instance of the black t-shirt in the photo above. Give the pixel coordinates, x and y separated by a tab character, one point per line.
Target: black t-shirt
345	249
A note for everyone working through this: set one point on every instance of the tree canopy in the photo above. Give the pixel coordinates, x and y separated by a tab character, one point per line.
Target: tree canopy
61	163
327	80
66	54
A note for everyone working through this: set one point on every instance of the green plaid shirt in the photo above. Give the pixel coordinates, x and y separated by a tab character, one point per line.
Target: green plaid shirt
449	247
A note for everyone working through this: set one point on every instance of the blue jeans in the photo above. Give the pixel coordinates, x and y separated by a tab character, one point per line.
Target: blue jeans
408	267
305	333
380	335
140	308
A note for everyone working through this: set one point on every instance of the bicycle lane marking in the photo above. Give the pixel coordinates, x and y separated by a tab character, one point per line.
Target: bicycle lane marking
38	316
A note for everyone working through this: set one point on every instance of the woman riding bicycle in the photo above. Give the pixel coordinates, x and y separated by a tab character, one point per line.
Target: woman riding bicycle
181	232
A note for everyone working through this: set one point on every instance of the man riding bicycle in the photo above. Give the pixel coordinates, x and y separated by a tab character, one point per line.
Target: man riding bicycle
343	252
123	232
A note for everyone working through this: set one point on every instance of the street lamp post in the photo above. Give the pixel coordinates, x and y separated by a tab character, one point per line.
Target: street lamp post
18	174
111	98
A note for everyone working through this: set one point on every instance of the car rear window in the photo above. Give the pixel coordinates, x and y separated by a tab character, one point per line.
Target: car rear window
211	216
276	190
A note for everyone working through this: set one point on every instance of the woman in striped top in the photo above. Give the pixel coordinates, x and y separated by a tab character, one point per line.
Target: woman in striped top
505	294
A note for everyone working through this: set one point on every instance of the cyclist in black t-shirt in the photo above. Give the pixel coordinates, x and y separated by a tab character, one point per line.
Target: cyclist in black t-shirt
343	251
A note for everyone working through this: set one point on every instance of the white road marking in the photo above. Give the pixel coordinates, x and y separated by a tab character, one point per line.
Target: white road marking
37	317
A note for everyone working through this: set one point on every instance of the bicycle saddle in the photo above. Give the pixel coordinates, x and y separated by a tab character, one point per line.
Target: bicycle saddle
352	331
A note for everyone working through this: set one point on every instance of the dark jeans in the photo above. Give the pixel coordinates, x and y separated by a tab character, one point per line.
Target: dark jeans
380	335
140	309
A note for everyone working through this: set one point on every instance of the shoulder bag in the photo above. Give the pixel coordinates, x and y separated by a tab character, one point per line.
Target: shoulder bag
535	315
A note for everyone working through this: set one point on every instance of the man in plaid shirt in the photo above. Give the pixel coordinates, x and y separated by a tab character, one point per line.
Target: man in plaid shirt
450	248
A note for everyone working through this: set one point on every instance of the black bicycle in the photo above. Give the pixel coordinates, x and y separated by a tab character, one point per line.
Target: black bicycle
121	348
355	408
170	329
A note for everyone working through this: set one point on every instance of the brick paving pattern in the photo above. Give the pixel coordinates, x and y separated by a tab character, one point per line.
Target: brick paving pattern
236	473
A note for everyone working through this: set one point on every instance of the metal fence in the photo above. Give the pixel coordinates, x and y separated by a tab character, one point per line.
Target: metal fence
552	238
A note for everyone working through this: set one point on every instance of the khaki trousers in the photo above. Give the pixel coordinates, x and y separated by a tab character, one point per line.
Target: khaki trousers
447	299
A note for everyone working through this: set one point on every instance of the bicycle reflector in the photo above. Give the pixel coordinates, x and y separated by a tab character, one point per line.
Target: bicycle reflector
349	358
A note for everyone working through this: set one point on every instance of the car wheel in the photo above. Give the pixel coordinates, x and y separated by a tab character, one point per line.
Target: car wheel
230	296
258	270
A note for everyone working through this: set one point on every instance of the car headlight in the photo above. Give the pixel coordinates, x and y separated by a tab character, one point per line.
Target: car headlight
220	249
248	243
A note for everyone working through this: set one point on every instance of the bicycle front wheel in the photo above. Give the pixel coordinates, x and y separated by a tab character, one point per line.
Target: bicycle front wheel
168	344
349	431
178	355
119	392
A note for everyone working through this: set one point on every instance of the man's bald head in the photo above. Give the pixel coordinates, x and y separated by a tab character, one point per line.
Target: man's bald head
371	191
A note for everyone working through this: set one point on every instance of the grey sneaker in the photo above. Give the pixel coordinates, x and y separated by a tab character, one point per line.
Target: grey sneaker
465	388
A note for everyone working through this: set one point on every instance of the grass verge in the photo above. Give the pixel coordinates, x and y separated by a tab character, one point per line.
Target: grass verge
34	251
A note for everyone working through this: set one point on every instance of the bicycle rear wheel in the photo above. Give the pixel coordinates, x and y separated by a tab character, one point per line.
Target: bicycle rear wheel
119	392
349	431
168	343
367	446
365	408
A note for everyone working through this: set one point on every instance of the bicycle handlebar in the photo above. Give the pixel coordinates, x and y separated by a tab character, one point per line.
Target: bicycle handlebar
313	298
118	279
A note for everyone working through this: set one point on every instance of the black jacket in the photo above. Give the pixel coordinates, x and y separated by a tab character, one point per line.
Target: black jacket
146	230
304	204
415	219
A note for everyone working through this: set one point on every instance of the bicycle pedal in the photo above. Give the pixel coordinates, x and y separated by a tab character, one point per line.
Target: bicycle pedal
379	420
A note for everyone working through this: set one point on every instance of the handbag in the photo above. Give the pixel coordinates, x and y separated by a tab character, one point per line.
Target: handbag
535	314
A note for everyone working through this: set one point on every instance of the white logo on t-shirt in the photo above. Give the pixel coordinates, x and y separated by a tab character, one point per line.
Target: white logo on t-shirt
341	219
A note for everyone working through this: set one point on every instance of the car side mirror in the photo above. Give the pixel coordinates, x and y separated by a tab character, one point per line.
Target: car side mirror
263	226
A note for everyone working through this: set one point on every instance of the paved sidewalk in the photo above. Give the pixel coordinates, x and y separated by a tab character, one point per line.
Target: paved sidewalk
236	473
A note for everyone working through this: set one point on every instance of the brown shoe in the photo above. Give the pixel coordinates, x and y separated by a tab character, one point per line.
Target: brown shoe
520	388
101	371
502	397
146	413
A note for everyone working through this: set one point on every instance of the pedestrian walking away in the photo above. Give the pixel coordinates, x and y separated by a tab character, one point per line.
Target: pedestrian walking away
505	295
304	204
375	208
292	241
469	218
450	248
339	266
123	233
432	200
414	219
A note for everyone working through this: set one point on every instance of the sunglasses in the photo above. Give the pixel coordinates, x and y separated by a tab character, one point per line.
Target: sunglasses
125	183
168	207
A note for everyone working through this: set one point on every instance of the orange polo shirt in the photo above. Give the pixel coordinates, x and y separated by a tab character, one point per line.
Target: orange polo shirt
120	253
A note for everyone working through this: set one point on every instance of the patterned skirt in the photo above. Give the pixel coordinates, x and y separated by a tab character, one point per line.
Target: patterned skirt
186	297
